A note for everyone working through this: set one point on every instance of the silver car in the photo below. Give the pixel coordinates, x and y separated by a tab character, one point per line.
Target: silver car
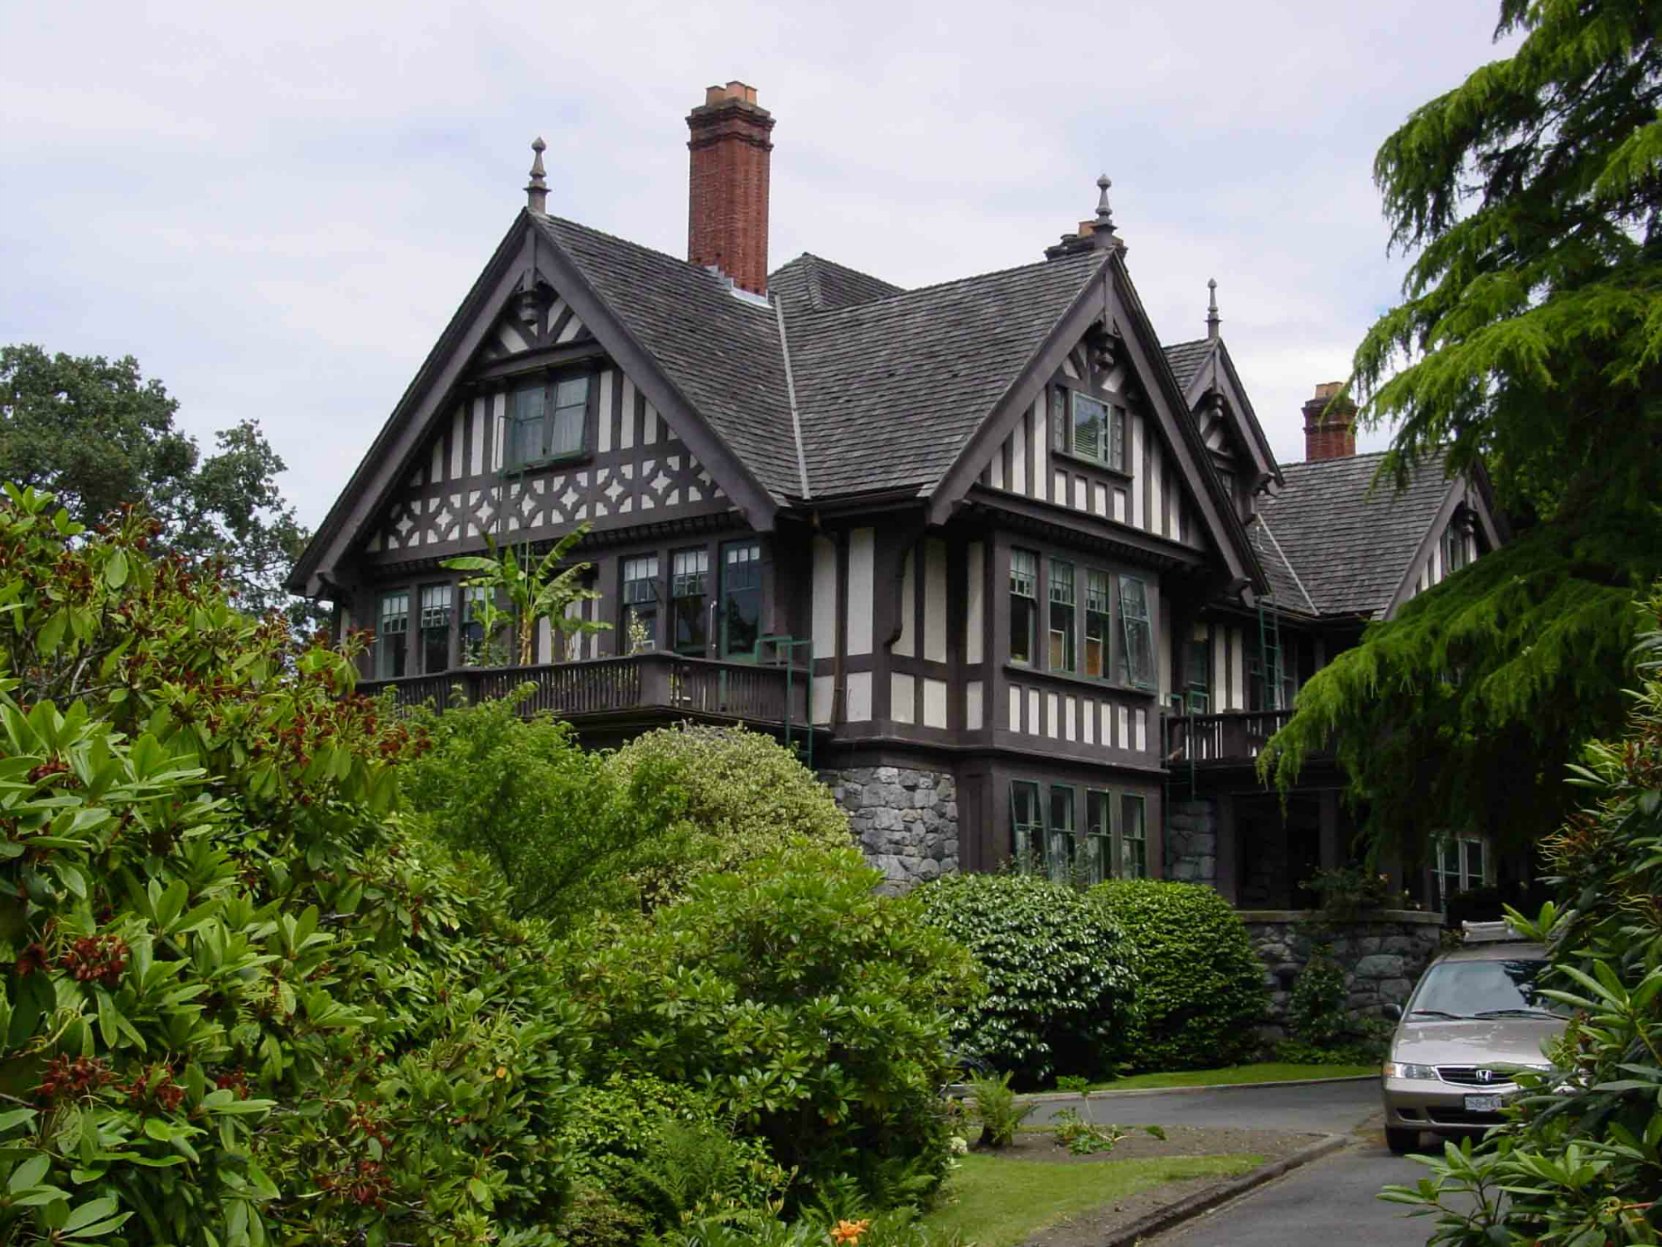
1476	1016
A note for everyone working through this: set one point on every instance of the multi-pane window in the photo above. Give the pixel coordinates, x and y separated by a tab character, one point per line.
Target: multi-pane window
1133	855
392	635
1197	676
1026	823
640	602
1459	864
1024	604
545	420
1096	431
1059	834
473	624
1136	633
1096	846
689	590
741	598
1454	547
1098	629
434	627
1061	616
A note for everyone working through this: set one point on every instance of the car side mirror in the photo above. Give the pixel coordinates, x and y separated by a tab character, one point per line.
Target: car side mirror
1392	1012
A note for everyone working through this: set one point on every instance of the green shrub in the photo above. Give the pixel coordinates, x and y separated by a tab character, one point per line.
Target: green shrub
1200	983
563	826
998	1110
741	796
812	1011
1317	1012
1060	980
240	1005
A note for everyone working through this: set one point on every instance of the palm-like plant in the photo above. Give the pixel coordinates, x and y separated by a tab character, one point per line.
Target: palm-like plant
533	589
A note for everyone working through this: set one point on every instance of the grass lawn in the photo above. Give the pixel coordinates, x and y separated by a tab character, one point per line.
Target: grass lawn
996	1202
1267	1071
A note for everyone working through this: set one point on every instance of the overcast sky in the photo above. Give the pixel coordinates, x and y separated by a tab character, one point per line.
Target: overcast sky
277	208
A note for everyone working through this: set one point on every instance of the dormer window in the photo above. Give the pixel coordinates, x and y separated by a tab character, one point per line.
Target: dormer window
546	420
1096	431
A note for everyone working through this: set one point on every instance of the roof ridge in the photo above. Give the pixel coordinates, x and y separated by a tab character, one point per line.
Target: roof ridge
908	292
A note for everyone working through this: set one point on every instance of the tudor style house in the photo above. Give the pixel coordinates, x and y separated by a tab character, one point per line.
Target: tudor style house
1018	579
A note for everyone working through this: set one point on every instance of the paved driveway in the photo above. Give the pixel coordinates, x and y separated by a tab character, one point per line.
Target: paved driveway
1330	1201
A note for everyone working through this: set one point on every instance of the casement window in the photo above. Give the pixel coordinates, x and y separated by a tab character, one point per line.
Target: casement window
1095	855
1026	824
689	601
1059	834
741	598
640	603
433	628
1459	864
392	635
1061	631
1133	835
1137	635
473	623
546	421
1197	677
1024	605
1098	625
1454	547
1095	430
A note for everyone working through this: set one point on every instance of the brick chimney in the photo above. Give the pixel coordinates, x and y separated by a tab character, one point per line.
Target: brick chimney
727	211
1329	434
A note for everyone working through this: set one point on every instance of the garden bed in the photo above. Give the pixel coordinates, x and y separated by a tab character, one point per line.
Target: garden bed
1037	1192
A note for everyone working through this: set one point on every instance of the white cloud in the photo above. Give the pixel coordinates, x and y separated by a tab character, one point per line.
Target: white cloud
276	210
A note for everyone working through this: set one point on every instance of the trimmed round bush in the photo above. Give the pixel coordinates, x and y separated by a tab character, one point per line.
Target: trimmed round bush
743	796
1061	986
1200	982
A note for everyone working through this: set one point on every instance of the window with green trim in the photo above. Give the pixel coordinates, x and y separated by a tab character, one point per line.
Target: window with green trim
689	599
741	598
1098	625
546	420
392	635
1024	604
1096	431
1061	616
1059	834
1133	855
1026	824
640	602
1137	635
435	627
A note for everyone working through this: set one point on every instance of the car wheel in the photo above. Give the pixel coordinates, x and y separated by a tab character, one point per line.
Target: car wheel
1401	1140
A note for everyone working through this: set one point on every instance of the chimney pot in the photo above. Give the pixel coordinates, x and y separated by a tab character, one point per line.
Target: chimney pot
727	210
1329	431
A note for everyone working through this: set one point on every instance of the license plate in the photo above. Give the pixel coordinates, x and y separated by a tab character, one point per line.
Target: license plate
1484	1103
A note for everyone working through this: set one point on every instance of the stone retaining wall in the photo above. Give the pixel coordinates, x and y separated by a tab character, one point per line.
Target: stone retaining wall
1382	954
906	820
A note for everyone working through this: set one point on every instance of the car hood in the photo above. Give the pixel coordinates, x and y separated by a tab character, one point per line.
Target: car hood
1477	1041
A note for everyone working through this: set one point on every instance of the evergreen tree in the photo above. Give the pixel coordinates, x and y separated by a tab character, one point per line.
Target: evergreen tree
1528	341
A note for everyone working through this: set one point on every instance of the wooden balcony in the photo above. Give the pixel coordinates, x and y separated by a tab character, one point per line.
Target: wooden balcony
1229	739
638	688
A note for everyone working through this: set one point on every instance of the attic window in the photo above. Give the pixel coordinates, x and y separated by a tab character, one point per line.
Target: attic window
546	421
1096	431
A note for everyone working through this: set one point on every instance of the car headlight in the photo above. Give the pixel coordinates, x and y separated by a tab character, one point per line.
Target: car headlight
1403	1069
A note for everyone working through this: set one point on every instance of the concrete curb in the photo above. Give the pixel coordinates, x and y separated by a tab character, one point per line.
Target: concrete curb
1051	1097
1187	1209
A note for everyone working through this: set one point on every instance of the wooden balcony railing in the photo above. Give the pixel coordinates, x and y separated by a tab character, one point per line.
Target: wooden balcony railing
618	688
1231	737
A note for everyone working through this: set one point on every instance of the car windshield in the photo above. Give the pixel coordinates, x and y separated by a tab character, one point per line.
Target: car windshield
1483	989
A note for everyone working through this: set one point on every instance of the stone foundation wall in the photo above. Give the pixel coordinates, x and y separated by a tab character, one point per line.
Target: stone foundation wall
1381	954
1192	842
905	820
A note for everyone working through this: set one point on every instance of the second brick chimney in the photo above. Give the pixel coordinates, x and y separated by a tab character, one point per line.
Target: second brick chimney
727	210
1329	434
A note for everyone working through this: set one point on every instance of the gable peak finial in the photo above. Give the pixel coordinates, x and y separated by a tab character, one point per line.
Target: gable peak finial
1102	229
536	191
1212	319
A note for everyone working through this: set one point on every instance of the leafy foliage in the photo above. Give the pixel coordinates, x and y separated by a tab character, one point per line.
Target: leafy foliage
1061	982
563	826
1581	1159
809	1008
100	437
522	591
237	1006
1316	1012
998	1110
1200	984
742	796
1528	340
